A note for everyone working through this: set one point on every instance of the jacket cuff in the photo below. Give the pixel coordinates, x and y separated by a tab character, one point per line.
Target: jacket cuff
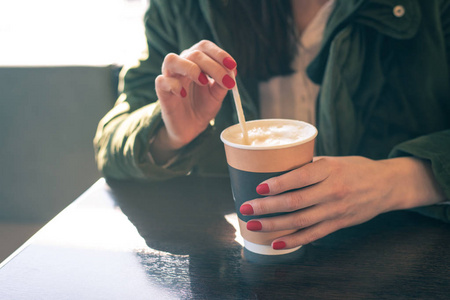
181	164
434	148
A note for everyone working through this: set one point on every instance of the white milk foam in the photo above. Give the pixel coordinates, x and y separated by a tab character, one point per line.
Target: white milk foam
269	134
275	135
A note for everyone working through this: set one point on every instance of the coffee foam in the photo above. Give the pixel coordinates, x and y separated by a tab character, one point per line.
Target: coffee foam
270	133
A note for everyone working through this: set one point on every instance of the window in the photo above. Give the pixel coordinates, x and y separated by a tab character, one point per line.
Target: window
77	32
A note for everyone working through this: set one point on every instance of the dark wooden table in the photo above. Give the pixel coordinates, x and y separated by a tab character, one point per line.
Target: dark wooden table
170	240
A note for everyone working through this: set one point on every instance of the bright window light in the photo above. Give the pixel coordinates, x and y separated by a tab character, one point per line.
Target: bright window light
77	32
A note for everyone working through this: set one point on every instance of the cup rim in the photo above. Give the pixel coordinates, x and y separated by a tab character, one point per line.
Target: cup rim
270	147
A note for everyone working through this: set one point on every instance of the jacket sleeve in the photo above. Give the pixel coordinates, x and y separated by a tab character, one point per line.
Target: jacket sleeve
434	147
122	139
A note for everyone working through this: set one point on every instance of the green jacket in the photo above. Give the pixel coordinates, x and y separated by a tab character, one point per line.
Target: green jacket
385	89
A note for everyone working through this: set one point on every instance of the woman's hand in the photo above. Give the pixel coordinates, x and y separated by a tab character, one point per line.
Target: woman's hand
337	192
191	89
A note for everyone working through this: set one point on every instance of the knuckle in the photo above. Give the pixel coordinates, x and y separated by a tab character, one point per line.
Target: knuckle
160	84
322	159
204	44
293	201
302	222
159	81
275	185
313	236
193	70
268	225
170	58
327	163
260	207
339	191
341	209
194	55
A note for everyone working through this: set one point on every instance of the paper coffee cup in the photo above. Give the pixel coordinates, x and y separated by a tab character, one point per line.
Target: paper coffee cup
290	146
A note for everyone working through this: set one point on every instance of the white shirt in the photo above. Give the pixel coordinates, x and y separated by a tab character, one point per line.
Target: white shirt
294	96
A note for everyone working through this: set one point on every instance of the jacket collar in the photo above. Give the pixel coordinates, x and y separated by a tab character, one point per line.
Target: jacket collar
398	19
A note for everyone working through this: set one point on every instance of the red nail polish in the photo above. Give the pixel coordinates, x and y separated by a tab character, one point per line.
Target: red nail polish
228	81
254	225
202	78
246	209
279	245
263	189
229	63
183	93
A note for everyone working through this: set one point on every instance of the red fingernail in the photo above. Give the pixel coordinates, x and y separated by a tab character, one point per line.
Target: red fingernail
263	189
246	209
229	63
228	81
202	78
279	245
183	92
254	225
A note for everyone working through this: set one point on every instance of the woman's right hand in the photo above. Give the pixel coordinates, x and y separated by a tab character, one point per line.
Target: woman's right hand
191	89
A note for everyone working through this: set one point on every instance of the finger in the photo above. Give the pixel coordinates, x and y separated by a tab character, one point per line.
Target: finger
304	176
176	66
286	202
168	86
215	52
308	235
297	220
212	68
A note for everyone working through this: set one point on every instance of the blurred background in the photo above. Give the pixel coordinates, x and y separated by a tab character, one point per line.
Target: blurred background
59	63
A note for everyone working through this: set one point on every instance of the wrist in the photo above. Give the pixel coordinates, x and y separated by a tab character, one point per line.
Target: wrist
412	182
162	148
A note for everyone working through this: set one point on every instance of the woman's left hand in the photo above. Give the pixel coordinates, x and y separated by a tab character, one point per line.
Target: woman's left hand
337	192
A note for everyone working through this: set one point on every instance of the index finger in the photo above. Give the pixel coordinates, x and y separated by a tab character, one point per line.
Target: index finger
304	176
215	52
